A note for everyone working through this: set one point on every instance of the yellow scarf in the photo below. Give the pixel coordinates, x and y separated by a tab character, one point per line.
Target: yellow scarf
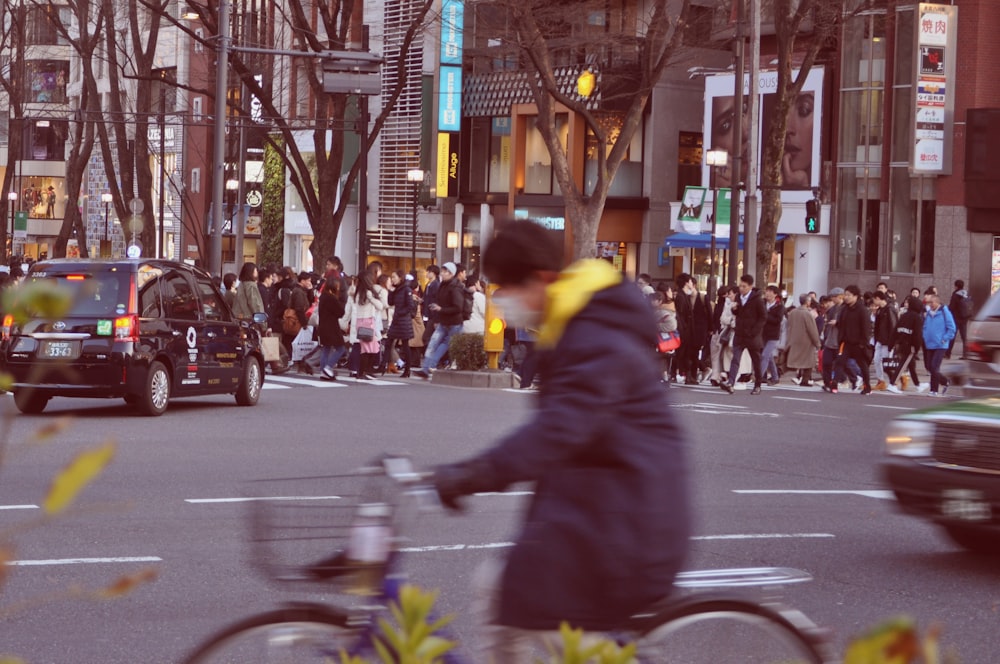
570	293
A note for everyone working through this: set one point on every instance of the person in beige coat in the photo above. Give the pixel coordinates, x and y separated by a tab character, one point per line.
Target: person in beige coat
803	341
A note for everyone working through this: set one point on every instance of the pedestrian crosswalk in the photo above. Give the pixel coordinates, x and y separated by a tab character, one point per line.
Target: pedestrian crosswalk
284	382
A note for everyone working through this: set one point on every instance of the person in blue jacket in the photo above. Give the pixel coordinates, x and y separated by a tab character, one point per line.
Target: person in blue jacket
939	330
608	525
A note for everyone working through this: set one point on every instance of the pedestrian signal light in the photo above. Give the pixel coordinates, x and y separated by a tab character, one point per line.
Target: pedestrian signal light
495	326
812	216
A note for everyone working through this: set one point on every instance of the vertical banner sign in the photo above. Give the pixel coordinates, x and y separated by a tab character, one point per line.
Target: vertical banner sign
451	32
934	94
446	176
449	97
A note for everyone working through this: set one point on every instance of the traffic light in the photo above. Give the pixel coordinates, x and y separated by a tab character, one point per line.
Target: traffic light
495	326
812	216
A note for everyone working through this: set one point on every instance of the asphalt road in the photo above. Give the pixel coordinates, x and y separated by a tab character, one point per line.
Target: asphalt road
784	479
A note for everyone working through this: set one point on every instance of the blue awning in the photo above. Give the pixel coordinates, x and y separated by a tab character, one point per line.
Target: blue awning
703	241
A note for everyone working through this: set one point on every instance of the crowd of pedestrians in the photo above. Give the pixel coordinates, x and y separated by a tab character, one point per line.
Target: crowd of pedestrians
853	340
371	323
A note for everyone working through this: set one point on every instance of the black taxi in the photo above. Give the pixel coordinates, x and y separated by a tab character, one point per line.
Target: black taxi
144	330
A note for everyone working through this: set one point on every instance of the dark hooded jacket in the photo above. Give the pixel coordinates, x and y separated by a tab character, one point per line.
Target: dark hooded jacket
750	318
608	525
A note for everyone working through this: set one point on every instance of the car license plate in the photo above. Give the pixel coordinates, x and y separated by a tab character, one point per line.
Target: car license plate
965	505
63	350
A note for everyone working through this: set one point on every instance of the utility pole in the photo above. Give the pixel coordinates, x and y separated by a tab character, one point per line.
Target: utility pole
219	148
737	155
750	232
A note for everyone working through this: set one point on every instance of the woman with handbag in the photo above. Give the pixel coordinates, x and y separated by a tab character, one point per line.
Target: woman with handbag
666	325
363	308
722	339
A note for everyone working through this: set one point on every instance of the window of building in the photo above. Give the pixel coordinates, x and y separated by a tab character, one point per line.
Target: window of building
199	36
537	161
44	22
43	197
45	140
196	109
47	80
628	179
872	235
195	180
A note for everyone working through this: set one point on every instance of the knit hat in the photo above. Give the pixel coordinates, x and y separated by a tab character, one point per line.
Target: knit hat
450	267
836	291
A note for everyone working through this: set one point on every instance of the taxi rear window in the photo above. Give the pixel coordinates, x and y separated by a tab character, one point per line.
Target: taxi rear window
96	294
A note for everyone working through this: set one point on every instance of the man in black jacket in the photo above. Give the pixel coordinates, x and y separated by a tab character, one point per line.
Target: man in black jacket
448	309
608	523
750	315
855	328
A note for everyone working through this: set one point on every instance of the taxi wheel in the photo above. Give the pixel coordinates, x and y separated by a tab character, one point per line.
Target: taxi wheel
974	540
249	388
153	401
30	402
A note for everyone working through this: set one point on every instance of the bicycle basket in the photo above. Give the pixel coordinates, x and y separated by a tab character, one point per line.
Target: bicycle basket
333	532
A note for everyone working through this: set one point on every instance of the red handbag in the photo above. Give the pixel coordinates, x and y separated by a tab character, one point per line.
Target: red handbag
669	342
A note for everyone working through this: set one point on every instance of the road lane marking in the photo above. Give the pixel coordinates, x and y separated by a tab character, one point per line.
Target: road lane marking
86	561
18	507
718	405
798	399
832	417
505	493
880	494
501	545
271	386
719	409
750	536
875	405
257	498
302	381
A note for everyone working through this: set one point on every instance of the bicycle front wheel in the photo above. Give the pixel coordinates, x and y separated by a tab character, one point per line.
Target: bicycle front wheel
288	636
730	631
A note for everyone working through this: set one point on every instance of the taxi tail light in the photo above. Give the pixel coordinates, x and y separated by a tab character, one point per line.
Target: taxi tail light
8	326
127	328
977	349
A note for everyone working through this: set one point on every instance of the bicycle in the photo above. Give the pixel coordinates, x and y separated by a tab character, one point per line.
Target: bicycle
688	627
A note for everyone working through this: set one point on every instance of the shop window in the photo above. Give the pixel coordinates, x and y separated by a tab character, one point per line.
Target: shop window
45	140
500	155
628	179
537	161
47	81
43	197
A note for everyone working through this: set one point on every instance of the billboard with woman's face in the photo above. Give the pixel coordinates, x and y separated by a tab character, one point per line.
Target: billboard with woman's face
800	166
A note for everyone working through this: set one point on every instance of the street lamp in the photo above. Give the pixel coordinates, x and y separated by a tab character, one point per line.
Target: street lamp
416	177
12	197
106	199
715	159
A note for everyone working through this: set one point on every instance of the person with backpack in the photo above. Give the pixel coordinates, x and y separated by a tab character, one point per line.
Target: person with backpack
939	331
962	309
449	307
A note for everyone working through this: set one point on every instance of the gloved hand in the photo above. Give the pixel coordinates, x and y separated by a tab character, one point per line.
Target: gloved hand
449	482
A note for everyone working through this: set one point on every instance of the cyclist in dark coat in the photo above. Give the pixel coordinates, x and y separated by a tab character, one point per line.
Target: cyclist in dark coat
608	525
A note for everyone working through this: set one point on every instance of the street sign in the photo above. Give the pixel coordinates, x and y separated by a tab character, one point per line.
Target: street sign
21	225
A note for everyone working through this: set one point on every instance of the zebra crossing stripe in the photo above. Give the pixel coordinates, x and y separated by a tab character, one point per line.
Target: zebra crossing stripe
290	380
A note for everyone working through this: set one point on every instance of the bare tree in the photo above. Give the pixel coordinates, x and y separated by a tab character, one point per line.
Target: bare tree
629	49
130	48
85	41
318	26
12	41
797	48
